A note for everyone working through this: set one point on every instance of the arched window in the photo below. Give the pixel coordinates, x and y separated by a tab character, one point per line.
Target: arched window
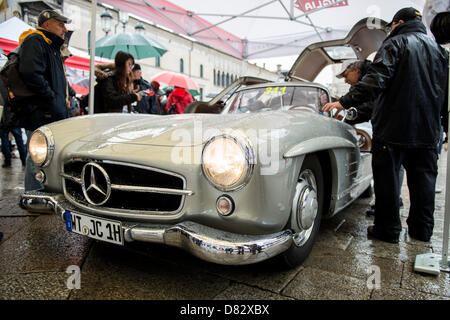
218	79
214	77
228	80
223	79
201	71
158	62
181	65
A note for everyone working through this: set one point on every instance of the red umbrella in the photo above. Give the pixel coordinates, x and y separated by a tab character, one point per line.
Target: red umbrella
176	79
79	89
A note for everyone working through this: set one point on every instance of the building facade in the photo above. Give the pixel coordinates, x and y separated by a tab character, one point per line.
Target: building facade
211	69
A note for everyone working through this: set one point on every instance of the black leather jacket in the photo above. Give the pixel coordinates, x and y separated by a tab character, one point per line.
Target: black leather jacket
408	79
365	109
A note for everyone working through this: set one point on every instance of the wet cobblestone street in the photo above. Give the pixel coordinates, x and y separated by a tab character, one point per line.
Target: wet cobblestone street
36	251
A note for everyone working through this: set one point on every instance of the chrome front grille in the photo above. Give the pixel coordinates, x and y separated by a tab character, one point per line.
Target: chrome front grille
123	187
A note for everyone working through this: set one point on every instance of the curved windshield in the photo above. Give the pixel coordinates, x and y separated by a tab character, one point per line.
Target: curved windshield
276	97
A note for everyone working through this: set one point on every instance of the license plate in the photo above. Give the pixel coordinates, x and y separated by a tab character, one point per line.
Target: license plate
93	227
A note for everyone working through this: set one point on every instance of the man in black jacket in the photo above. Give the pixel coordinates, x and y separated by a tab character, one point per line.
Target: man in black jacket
353	71
409	79
139	84
42	70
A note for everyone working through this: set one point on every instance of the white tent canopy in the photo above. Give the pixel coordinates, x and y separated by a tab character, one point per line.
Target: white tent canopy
277	28
12	28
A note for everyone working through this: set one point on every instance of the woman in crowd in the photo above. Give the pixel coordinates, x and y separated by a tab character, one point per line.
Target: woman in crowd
115	92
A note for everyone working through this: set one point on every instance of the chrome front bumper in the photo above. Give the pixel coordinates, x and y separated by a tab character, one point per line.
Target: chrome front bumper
204	242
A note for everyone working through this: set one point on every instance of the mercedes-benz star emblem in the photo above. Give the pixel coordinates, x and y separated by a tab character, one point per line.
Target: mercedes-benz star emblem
96	184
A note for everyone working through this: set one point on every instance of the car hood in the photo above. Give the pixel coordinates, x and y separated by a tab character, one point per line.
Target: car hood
195	129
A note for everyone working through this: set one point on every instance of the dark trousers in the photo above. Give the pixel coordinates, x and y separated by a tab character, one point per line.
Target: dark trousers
421	172
17	133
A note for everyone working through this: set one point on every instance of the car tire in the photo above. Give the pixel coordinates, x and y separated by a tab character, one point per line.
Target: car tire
302	245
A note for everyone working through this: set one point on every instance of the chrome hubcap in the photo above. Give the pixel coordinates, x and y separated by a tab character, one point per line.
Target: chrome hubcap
305	206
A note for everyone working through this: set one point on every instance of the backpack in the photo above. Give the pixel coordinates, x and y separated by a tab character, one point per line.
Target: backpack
13	91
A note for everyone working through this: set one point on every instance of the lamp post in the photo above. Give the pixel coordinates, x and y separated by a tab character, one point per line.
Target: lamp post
106	18
139	28
92	57
123	18
433	263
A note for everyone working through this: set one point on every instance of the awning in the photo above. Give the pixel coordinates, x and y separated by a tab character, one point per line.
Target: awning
8	45
76	62
72	62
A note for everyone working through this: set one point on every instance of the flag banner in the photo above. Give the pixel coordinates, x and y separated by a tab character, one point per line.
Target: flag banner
309	5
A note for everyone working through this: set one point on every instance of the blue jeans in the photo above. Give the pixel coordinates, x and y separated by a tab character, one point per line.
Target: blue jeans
6	150
30	170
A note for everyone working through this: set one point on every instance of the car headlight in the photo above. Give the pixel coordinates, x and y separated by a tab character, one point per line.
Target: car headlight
41	146
227	162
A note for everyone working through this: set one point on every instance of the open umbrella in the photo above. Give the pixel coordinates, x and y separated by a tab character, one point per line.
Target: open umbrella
139	46
194	93
176	79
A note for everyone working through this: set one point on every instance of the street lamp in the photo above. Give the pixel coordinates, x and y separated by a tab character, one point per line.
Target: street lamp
106	18
139	28
123	18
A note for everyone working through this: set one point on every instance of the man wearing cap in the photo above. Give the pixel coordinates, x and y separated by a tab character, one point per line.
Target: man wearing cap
150	102
353	71
139	84
408	79
42	70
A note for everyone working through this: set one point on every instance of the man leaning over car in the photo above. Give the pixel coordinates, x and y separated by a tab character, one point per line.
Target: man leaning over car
409	80
353	71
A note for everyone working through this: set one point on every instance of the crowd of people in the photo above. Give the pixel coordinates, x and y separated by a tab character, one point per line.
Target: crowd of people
403	92
119	87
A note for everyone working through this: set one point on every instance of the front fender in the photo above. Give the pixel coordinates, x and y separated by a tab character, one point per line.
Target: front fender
317	144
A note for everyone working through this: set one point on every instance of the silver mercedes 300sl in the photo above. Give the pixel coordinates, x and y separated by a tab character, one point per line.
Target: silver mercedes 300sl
236	187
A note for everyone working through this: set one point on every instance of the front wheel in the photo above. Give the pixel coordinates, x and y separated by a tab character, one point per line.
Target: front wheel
306	211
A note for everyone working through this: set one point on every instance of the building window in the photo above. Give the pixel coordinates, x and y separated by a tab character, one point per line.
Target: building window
223	79
214	77
201	71
228	79
218	78
181	66
201	94
158	62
